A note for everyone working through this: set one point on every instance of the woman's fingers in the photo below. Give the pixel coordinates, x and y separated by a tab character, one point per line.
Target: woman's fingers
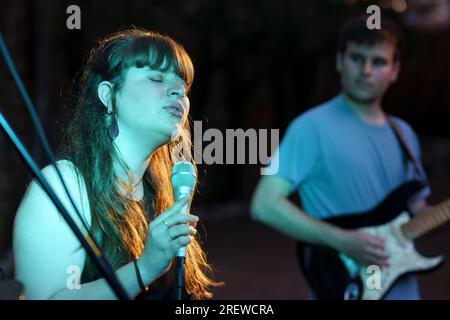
177	206
193	224
181	235
181	219
181	242
181	230
177	243
173	229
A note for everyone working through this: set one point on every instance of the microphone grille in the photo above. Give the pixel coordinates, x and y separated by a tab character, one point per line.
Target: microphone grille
183	174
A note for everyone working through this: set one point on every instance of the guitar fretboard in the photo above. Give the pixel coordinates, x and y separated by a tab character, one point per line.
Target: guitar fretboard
427	221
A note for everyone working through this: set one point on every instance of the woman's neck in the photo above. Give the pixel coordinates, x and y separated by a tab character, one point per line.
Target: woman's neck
136	154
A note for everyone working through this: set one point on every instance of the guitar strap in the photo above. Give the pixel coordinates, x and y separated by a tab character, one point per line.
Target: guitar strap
405	146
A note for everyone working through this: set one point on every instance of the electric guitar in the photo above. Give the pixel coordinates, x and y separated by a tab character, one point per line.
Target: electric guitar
333	275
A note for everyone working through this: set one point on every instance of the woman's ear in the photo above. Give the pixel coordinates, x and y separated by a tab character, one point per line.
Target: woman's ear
104	92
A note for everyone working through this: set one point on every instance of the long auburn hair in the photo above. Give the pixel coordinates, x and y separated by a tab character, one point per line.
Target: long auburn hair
118	223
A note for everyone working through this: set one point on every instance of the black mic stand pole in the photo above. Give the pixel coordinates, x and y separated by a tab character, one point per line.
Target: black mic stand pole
179	277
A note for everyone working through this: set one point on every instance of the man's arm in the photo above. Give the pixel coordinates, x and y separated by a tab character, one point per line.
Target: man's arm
271	206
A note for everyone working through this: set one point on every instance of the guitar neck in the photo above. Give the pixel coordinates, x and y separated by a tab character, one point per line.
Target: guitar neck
427	221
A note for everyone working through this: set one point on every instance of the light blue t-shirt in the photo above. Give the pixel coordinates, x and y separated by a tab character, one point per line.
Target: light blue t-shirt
340	164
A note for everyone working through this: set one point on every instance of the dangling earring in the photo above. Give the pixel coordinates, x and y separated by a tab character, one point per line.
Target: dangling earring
113	129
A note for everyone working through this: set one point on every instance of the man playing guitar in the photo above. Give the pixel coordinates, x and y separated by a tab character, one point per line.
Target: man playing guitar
344	156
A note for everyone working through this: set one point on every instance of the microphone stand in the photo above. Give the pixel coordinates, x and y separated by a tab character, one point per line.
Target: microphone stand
87	241
179	277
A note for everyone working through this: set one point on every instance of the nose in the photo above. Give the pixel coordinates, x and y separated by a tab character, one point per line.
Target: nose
177	91
367	68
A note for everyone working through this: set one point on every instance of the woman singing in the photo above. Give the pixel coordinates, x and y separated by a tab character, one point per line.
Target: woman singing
130	112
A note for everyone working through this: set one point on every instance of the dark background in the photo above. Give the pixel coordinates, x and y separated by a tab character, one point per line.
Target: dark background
258	65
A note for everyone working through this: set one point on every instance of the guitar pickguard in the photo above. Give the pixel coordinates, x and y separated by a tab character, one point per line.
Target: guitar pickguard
403	258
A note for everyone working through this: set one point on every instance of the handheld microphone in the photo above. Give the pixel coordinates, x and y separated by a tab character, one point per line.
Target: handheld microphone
183	180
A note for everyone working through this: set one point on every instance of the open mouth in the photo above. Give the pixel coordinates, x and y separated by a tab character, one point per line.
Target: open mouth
175	110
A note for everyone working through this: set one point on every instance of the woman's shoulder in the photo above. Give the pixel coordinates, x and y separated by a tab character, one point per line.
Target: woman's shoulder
44	245
36	202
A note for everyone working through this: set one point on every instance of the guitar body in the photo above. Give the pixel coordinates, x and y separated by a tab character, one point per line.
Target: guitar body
332	275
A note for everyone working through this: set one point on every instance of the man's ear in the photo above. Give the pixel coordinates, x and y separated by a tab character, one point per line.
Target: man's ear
339	62
104	92
396	70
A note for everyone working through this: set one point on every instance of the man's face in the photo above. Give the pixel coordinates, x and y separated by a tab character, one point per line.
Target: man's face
367	71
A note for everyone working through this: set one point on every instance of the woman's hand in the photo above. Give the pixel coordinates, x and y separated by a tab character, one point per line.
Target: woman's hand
169	232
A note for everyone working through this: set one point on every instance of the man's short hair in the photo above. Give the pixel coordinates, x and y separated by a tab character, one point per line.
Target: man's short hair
355	30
